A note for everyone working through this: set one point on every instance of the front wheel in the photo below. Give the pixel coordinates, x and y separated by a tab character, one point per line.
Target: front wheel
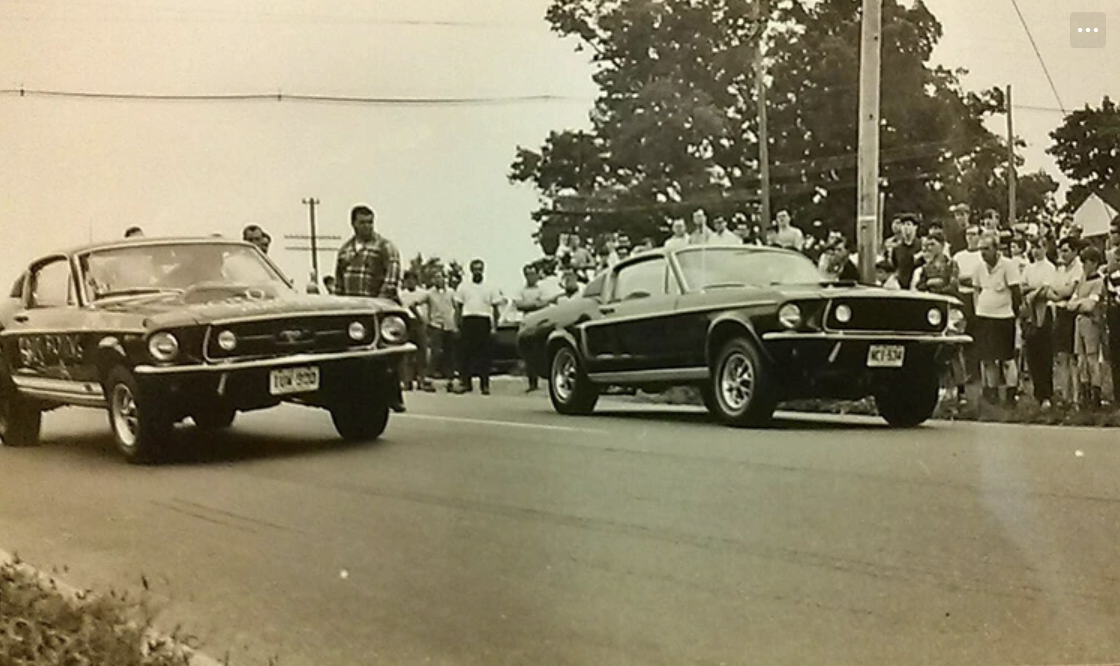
569	387
215	418
141	430
909	402
20	418
360	420
741	392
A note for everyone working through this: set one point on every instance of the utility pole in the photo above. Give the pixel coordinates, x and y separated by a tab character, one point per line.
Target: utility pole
867	217
1011	184
311	203
763	21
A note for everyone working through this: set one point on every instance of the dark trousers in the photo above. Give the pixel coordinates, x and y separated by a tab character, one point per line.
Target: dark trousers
1114	349
475	350
441	347
1038	344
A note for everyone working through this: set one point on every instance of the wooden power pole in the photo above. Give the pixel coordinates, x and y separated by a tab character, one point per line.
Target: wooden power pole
1011	184
311	203
867	217
760	100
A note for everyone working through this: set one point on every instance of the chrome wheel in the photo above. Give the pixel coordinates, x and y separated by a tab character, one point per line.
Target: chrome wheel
565	374
736	381
126	416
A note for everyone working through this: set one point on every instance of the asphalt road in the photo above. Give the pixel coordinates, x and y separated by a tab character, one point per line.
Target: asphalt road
488	531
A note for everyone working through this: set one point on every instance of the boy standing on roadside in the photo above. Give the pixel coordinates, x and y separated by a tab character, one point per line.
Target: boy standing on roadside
1087	306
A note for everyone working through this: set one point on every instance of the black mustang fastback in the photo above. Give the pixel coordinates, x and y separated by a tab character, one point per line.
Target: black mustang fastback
750	327
157	330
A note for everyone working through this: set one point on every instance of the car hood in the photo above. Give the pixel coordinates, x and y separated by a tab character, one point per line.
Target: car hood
171	310
849	290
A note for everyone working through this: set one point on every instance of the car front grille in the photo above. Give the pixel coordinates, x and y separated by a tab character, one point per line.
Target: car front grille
883	315
288	335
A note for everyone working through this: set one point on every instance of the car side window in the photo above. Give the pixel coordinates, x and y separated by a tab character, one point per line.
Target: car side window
17	288
641	280
594	289
51	286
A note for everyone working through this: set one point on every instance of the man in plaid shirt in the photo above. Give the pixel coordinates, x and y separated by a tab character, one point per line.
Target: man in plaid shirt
369	265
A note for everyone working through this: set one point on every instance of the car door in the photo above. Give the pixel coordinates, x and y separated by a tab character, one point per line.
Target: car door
47	331
631	334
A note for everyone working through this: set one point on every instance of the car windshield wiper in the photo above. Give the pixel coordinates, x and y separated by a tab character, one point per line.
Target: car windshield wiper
136	291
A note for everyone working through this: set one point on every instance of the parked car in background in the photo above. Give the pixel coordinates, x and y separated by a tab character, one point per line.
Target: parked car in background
748	326
159	330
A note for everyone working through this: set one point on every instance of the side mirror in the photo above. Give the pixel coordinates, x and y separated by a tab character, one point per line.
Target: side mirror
636	294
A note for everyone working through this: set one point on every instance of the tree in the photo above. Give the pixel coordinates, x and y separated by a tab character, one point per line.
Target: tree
427	269
675	125
1087	149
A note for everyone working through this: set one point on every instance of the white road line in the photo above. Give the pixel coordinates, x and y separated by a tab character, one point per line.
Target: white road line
511	424
75	595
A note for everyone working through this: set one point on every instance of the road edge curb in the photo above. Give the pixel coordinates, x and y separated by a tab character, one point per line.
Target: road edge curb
73	594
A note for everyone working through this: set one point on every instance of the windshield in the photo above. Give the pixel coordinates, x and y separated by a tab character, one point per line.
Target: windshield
174	268
734	267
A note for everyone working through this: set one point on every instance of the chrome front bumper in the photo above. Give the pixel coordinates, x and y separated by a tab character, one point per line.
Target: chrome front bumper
279	362
886	337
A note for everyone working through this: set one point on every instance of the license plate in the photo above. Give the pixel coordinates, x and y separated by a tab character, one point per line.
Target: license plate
885	356
293	380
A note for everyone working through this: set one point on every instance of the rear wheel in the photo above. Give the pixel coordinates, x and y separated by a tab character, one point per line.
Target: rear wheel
740	387
141	429
20	417
907	402
569	387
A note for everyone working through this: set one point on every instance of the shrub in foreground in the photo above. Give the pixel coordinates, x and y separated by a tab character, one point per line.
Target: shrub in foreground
42	626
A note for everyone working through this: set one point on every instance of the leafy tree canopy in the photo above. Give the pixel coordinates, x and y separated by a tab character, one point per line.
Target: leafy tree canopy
1087	149
675	124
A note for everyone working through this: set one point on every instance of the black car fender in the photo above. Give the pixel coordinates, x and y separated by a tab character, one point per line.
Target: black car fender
726	327
558	337
109	354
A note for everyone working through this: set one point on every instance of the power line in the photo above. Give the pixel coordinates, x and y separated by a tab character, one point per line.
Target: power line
282	97
1038	54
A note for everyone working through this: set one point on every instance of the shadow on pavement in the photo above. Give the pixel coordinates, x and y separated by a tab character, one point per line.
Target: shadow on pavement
779	423
191	446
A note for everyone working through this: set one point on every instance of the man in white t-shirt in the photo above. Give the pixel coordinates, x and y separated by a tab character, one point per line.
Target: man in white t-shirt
531	299
788	236
998	298
478	308
721	235
680	235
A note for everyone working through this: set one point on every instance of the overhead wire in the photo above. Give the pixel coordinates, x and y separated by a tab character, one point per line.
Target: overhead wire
295	97
1038	54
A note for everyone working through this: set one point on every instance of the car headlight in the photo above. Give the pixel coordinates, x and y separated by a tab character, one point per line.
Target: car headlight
956	320
843	314
163	346
394	330
357	331
934	317
790	315
227	340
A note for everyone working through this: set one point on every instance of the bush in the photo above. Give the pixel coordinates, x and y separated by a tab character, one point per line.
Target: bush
42	626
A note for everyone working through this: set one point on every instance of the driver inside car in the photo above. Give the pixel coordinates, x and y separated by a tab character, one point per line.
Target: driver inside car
197	267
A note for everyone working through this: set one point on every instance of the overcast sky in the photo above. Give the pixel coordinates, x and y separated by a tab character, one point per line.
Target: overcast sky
436	175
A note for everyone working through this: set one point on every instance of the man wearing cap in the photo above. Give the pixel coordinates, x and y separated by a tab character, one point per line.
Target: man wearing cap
954	229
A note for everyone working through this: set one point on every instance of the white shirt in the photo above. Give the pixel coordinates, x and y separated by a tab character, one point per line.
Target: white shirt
725	237
968	261
791	237
478	300
1039	274
676	242
418	296
1067	277
993	285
